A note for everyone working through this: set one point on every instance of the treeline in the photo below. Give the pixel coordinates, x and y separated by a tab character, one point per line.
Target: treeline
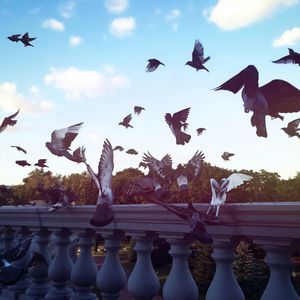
265	186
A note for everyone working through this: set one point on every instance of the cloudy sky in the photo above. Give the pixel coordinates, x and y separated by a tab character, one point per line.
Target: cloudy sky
88	65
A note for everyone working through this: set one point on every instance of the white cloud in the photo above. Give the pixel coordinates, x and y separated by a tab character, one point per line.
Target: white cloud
75	40
77	83
234	14
122	27
68	10
172	18
116	6
53	24
288	38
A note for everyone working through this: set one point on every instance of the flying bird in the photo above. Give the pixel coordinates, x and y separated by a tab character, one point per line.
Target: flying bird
292	58
132	151
198	59
14	37
153	64
176	122
120	148
8	121
292	128
277	96
142	164
25	39
126	121
22	163
19	149
200	130
226	155
41	163
138	109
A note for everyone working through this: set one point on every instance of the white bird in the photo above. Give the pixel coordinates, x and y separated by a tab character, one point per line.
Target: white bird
219	191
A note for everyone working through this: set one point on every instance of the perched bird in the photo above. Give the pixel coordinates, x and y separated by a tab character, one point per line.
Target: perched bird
132	151
219	191
8	121
14	37
104	213
22	163
19	149
226	155
292	128
126	121
293	58
25	39
277	96
198	59
153	64
120	148
138	109
41	163
200	130
176	122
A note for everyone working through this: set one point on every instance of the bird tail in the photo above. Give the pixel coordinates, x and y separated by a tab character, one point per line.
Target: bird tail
182	138
103	215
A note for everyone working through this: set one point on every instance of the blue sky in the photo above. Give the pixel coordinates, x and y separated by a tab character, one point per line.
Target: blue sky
88	65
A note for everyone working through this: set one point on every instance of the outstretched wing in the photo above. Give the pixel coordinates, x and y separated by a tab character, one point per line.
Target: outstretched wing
294	124
198	52
237	179
127	119
182	115
196	162
158	166
284	60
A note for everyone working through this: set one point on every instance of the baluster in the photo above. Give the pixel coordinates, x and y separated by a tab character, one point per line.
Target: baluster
143	283
279	286
85	270
224	284
111	277
180	283
60	269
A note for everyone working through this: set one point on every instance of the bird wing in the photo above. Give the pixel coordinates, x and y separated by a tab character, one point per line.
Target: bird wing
127	119
138	109
14	115
157	166
294	124
182	115
281	96
25	36
196	162
215	188
42	161
237	179
284	60
198	52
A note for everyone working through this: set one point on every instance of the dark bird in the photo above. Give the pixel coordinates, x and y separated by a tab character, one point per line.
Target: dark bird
277	96
132	151
8	121
176	122
41	163
104	213
153	64
292	58
292	128
198	59
226	155
19	149
142	164
120	148
126	121
22	163
25	39
200	130
14	37
138	109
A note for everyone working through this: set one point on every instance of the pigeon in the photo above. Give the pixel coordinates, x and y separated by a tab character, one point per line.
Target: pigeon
126	121
200	130
293	57
22	163
198	59
41	163
138	109
292	128
25	39
104	213
61	140
153	64
14	37
120	148
219	191
19	149
8	121
132	152
270	99
226	155
176	122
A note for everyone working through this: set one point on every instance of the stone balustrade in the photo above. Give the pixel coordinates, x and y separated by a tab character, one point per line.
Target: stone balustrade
273	226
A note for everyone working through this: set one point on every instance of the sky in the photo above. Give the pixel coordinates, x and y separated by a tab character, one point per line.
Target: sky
88	64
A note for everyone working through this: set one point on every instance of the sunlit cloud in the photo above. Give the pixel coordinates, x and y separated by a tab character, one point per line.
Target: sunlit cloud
53	24
75	40
76	83
122	27
116	6
172	18
67	10
288	38
234	14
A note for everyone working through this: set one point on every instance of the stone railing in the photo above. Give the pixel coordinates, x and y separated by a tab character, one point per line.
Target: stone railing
274	226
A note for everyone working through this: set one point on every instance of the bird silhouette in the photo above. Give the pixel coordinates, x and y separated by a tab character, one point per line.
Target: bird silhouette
277	96
226	155
292	128
19	149
176	122
8	121
25	39
120	148
22	163
142	164
153	64
14	37
200	130
132	151
198	59
41	163
126	121
138	109
292	58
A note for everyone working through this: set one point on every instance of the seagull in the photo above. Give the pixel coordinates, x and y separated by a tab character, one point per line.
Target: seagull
198	59
120	148
226	155
22	163
219	191
8	121
153	64
126	121
200	130
138	109
41	163
26	40
292	128
132	152
176	122
14	37
104	213
293	57
19	149
277	96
